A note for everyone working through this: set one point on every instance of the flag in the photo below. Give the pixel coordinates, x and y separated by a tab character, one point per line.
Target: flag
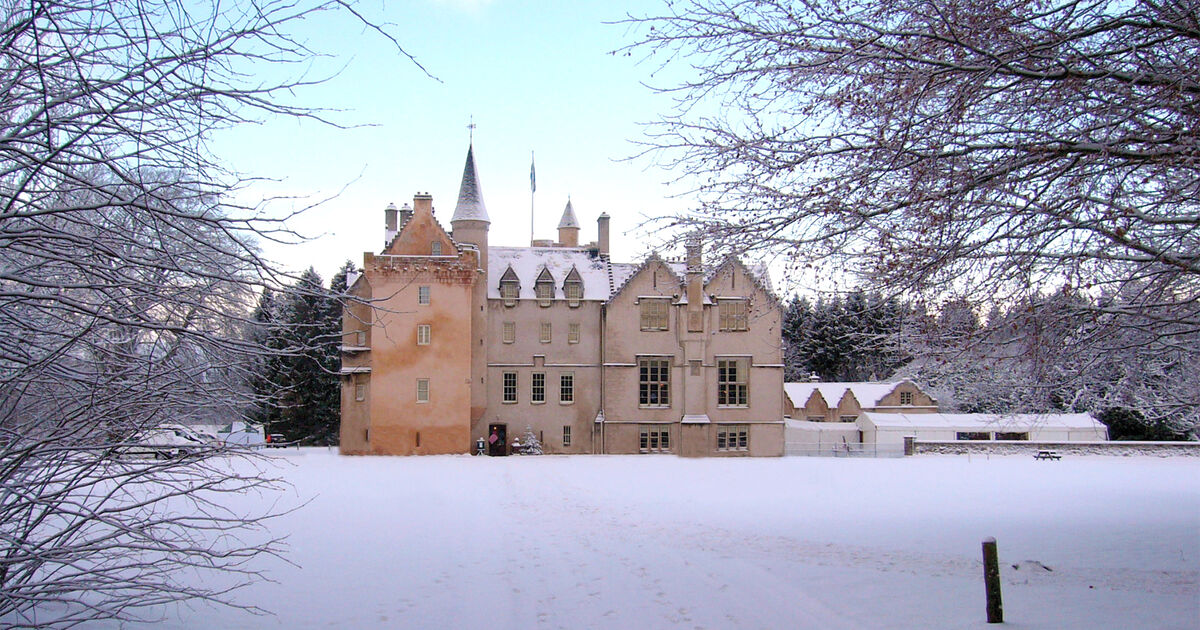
532	175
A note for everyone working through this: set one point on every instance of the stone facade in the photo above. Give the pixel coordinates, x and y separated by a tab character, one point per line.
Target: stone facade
455	341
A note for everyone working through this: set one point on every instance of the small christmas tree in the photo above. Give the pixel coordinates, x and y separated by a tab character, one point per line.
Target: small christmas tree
530	445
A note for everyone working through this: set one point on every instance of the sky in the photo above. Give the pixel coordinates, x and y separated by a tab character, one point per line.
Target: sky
533	77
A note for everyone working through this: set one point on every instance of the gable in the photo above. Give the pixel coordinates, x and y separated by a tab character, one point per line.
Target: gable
732	278
653	277
417	236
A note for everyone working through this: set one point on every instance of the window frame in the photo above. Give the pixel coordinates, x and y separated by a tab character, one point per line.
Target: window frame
544	292
566	435
573	292
573	332
654	438
508	332
654	314
424	295
733	314
735	392
566	388
510	292
537	388
906	399
545	333
435	248
422	390
507	388
424	334
733	438
649	389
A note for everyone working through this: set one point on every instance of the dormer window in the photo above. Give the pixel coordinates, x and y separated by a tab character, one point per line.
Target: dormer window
544	288
573	292
509	292
510	288
573	288
545	293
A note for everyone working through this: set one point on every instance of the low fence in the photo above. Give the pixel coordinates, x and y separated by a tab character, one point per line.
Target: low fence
827	449
1005	447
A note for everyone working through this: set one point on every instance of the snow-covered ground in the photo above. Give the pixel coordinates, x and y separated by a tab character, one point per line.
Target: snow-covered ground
664	542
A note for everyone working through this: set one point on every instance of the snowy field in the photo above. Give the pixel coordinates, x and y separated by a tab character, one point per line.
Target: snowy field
664	542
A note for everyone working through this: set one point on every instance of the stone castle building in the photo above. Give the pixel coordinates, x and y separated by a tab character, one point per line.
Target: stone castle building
456	341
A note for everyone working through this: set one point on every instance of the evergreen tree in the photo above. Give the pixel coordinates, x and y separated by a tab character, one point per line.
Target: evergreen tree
530	444
298	386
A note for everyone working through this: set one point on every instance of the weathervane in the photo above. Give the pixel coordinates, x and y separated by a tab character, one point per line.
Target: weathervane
471	130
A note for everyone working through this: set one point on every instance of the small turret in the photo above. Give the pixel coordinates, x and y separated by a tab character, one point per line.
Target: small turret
568	227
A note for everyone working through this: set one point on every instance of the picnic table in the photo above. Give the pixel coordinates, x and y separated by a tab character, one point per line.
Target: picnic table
1047	455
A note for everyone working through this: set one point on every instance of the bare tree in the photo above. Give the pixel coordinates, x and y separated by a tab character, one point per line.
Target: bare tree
127	279
984	150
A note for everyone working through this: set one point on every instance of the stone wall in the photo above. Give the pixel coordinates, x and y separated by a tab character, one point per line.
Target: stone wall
1118	449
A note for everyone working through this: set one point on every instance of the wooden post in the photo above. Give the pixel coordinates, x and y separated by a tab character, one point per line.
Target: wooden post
991	581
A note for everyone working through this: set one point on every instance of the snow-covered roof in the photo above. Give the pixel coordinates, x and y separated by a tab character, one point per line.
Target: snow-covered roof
470	205
527	263
601	278
569	220
868	394
982	421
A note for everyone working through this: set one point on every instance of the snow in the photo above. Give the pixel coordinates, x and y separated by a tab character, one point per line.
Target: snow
989	421
868	394
666	542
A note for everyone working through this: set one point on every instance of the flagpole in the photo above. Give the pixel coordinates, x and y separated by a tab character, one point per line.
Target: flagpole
532	189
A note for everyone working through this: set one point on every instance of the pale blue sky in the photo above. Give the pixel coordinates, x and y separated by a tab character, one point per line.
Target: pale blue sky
535	76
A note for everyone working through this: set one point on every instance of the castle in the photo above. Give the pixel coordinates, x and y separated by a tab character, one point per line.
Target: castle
453	341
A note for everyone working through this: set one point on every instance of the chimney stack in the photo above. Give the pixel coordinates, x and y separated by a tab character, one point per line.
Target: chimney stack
602	233
389	217
423	203
695	286
406	213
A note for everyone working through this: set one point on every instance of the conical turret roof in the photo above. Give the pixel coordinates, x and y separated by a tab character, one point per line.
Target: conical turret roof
470	205
568	218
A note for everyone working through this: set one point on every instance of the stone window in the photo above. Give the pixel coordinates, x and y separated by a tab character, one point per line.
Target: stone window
654	382
654	439
510	332
732	315
654	313
509	387
733	437
566	388
423	296
422	390
906	398
574	292
537	388
424	334
545	293
435	248
573	332
544	337
509	291
733	388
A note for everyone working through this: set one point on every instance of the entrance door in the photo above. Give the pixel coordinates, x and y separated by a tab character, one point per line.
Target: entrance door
496	447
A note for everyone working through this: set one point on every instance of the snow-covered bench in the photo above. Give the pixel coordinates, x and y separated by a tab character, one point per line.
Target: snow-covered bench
1047	455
